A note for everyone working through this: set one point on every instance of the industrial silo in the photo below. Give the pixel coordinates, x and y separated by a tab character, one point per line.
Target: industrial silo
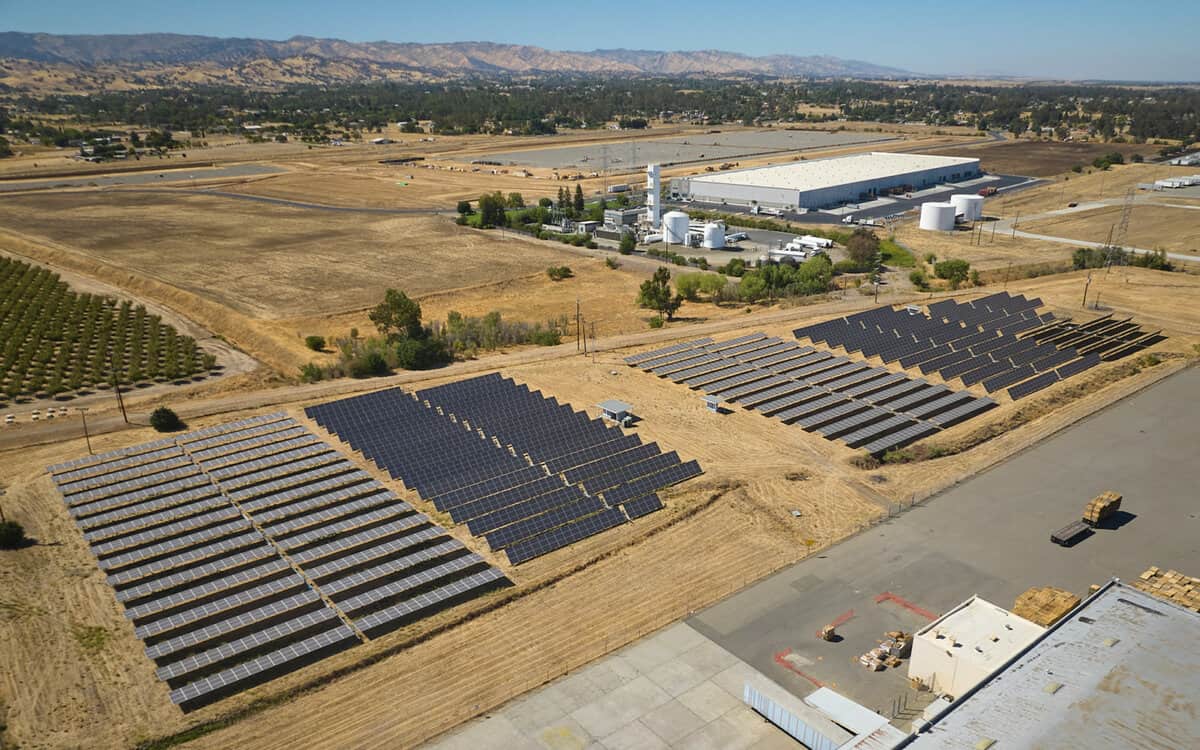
937	217
675	228
970	206
714	235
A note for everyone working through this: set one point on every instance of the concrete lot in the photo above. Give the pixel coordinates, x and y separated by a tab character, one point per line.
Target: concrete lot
987	536
711	147
675	689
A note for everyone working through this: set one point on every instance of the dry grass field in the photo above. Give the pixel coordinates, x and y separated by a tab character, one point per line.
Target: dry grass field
1150	226
1043	158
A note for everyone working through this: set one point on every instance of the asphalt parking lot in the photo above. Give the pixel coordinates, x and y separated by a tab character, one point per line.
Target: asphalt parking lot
987	536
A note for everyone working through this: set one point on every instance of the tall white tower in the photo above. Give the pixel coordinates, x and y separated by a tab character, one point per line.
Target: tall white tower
653	196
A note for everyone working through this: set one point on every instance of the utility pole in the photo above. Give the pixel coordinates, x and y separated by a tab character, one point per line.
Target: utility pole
577	324
1085	289
83	413
1014	224
593	342
1006	272
117	388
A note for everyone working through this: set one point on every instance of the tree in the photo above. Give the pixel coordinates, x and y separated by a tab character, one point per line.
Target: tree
578	204
515	200
545	203
655	294
628	243
12	535
397	316
558	273
464	207
414	354
311	373
316	343
491	210
863	249
954	270
164	419
5	149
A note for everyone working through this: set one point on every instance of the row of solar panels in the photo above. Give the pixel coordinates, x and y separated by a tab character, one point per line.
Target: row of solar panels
244	551
864	406
993	341
528	474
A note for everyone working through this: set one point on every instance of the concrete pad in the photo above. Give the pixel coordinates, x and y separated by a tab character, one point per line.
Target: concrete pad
564	734
675	677
493	733
573	691
672	721
635	736
733	680
717	735
535	710
708	701
708	659
611	673
622	706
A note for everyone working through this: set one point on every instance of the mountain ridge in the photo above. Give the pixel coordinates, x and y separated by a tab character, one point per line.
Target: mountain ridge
160	58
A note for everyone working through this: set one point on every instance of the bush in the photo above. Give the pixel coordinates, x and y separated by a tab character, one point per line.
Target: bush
955	271
311	373
850	266
558	273
316	343
656	321
931	258
12	535
545	337
421	354
369	365
164	419
975	278
464	207
628	243
919	279
612	263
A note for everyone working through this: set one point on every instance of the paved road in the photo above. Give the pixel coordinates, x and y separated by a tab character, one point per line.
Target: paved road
987	536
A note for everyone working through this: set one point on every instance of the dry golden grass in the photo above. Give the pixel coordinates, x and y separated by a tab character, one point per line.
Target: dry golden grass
1150	226
1043	158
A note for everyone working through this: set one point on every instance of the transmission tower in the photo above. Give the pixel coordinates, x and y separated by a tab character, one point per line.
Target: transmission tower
1118	244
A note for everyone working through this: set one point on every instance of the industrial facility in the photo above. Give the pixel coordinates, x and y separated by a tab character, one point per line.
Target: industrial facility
826	183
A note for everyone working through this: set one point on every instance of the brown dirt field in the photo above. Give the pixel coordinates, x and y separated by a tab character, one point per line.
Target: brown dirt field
1079	188
996	252
1043	158
1151	227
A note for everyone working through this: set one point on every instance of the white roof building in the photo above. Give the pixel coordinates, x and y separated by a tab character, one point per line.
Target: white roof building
963	647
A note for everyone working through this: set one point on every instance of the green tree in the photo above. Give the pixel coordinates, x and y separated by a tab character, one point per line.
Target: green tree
5	149
491	210
628	243
397	316
464	207
515	200
164	419
545	203
311	373
655	294
12	535
316	343
863	249
578	204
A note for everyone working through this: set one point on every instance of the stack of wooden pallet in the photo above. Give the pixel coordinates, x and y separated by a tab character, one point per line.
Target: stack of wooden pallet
1171	585
1045	605
1101	506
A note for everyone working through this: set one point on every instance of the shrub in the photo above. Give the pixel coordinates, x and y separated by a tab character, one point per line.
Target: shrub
464	207
12	535
311	373
421	354
954	270
164	419
628	243
931	258
850	266
975	278
316	343
545	337
369	365
919	280
591	245
612	263
656	321
558	273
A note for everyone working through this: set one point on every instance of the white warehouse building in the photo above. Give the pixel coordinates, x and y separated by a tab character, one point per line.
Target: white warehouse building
825	183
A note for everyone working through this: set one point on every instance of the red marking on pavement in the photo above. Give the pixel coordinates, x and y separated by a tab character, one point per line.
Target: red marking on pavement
888	596
781	659
840	620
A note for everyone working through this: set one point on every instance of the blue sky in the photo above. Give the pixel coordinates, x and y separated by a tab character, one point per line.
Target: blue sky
1054	38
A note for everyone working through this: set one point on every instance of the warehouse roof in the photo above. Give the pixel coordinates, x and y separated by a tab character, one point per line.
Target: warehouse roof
1122	670
979	631
839	170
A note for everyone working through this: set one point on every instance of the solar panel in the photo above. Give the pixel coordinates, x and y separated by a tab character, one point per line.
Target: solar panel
643	506
562	536
962	412
1033	385
996	382
1074	368
423	604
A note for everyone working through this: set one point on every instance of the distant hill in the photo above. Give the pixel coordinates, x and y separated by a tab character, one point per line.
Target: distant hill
77	62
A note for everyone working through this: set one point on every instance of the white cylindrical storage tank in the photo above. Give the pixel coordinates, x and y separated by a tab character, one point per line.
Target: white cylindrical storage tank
938	217
675	228
970	206
714	236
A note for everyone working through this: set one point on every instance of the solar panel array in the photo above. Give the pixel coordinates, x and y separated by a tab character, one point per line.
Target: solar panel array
244	551
1000	341
528	474
841	399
